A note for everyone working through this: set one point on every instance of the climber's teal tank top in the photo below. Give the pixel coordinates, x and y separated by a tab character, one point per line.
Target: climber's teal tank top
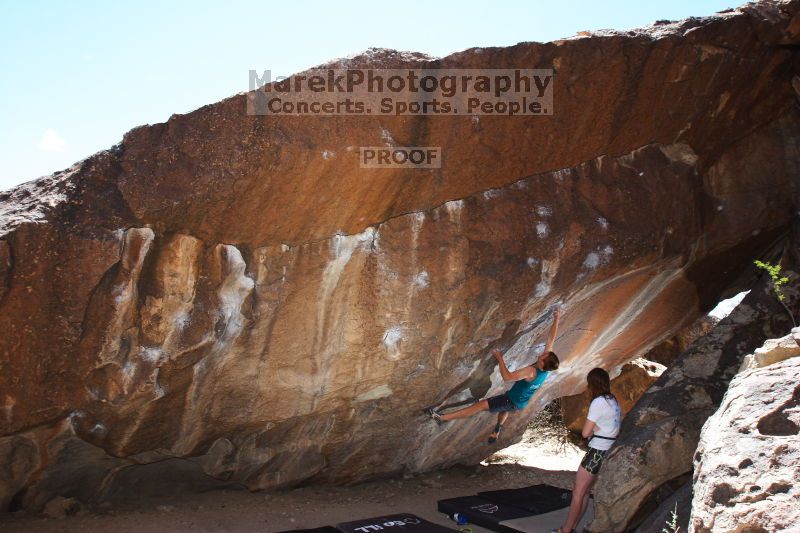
521	392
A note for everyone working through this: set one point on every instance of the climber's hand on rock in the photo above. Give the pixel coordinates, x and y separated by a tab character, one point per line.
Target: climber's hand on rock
497	354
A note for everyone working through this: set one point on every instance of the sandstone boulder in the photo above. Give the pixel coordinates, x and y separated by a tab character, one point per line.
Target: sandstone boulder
231	297
773	351
660	434
60	507
667	351
634	378
747	465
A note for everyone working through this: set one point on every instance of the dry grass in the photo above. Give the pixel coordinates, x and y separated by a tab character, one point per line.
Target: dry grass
549	425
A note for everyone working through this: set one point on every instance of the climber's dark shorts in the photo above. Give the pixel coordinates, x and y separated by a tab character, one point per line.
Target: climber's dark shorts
593	460
501	404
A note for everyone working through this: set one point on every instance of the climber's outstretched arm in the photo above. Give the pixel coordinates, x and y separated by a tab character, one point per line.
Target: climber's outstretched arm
523	373
551	337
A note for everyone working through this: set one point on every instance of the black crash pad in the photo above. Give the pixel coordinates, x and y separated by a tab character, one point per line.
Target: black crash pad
482	512
538	499
326	529
396	523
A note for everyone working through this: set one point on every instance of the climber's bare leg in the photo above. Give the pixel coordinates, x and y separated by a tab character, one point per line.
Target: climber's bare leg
475	408
501	420
580	498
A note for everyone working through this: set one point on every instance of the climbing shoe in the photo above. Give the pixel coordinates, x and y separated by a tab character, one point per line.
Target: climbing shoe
497	429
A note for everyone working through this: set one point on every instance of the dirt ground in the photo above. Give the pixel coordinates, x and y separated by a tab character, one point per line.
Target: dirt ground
532	461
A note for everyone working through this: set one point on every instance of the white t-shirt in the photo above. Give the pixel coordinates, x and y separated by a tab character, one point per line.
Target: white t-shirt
605	413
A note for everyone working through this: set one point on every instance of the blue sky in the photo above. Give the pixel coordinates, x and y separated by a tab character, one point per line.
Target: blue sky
77	75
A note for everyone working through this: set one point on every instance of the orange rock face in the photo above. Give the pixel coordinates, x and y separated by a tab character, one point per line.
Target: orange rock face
232	296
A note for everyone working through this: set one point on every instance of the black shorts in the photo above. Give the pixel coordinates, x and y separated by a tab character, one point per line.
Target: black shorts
501	404
593	460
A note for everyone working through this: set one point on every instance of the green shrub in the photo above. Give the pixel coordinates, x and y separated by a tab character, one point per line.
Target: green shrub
774	272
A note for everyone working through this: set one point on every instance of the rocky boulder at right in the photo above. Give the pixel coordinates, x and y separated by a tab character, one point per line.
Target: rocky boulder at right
652	459
747	465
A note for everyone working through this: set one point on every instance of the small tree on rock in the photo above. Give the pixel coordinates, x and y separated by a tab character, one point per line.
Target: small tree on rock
774	272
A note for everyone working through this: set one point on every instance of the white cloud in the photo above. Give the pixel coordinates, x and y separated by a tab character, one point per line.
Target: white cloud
52	142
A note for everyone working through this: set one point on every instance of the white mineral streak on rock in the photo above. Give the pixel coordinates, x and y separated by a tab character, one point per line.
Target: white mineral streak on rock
487	317
76	414
180	320
158	389
381	391
628	314
391	339
599	257
341	249
542	230
454	209
128	373
153	355
235	288
457	256
447	344
680	152
417	221
592	261
136	244
330	325
549	271
560	175
387	137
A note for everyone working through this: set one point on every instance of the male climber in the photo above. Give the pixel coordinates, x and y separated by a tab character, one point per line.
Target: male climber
526	381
